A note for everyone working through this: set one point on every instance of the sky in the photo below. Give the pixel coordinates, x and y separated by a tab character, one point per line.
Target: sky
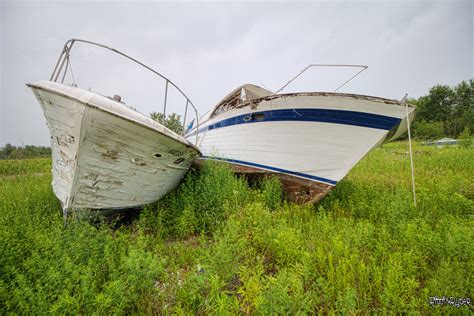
210	48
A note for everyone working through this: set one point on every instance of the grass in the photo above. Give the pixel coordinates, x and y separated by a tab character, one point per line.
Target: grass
216	245
19	167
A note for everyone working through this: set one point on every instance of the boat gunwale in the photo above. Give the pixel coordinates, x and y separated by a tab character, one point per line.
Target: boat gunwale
255	102
186	142
332	94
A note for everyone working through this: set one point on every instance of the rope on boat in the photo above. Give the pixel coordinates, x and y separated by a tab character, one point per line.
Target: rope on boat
404	100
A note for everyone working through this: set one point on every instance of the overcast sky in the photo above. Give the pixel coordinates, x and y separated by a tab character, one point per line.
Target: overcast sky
210	48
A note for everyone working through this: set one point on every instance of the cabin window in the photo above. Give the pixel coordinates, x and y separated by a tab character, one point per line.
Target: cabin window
258	117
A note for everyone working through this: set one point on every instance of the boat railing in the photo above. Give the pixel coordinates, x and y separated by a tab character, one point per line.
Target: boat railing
60	71
325	65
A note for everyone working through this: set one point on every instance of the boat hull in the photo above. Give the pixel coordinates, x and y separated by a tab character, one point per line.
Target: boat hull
309	140
106	155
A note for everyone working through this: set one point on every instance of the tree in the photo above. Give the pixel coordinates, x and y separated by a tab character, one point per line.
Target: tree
173	121
437	105
463	110
453	107
7	150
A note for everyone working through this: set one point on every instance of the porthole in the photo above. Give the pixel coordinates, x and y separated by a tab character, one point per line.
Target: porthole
157	155
247	118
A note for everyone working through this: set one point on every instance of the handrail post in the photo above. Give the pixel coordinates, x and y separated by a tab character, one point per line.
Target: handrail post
56	67
66	51
59	60
166	97
185	114
197	124
65	69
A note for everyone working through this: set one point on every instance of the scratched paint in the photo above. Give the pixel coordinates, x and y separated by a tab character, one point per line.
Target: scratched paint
105	155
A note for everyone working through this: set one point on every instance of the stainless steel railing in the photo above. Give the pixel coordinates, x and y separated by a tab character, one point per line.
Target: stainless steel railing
325	65
64	62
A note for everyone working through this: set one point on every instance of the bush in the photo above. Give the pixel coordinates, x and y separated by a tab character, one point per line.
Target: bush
202	201
272	192
428	130
465	138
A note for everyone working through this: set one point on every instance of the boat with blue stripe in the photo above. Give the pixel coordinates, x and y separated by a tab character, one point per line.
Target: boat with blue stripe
310	140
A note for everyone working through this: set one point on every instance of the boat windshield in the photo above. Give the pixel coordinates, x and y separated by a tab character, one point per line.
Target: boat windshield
242	94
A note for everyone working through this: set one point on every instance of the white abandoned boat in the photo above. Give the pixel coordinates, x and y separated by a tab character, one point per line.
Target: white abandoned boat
104	154
309	140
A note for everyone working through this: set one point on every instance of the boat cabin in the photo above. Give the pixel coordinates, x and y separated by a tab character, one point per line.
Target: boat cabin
241	95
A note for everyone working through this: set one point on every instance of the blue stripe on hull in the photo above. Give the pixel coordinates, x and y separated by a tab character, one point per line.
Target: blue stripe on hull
256	165
309	115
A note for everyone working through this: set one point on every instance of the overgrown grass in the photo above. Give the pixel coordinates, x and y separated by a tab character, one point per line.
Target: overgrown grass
18	167
216	245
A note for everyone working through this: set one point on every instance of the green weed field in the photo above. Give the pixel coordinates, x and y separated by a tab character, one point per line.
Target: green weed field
216	245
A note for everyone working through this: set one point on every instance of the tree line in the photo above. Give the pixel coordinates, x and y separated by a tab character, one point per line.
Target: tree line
445	112
28	151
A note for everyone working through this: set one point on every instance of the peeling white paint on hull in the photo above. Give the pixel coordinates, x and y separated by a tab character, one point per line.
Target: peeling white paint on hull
106	155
